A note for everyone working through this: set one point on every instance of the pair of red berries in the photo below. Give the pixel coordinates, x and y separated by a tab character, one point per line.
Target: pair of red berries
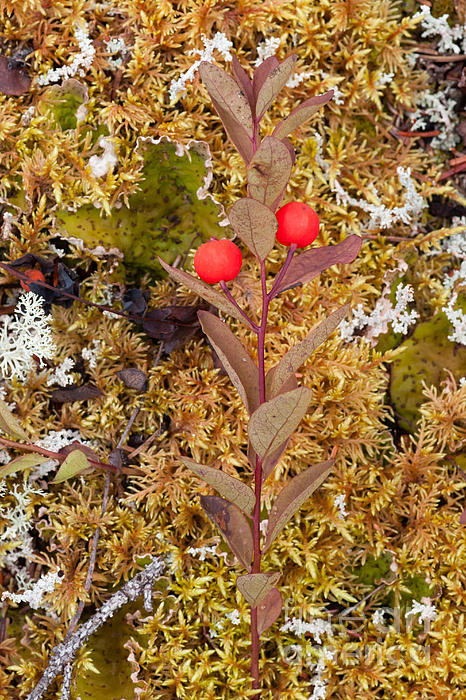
221	260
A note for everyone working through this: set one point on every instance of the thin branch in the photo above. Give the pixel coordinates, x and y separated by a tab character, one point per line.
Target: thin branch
66	651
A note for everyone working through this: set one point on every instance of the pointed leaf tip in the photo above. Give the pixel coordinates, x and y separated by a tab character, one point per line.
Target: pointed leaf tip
292	497
255	224
275	420
75	463
228	486
255	587
269	610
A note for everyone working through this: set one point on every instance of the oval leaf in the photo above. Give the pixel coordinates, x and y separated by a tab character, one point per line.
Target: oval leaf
301	114
269	172
298	354
268	611
233	525
273	84
232	106
255	224
293	496
255	587
203	290
9	424
275	420
239	365
23	462
233	489
312	262
242	80
74	464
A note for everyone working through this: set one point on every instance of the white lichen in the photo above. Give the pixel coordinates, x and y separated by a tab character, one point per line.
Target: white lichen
219	43
24	336
80	63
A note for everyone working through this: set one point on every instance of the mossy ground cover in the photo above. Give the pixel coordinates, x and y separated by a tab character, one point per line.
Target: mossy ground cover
401	443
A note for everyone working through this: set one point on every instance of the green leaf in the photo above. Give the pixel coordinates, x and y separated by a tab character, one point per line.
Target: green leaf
301	114
30	460
233	489
203	290
304	267
9	424
255	224
298	354
232	106
272	85
233	525
292	497
239	365
275	420
75	463
269	172
268	611
255	587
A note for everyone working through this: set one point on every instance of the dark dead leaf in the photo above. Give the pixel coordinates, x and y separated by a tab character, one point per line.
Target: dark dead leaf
13	78
76	393
133	378
134	301
174	325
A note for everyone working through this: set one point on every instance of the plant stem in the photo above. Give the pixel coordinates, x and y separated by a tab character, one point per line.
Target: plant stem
255	643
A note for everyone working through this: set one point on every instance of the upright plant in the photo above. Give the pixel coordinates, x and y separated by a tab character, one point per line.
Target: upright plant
273	400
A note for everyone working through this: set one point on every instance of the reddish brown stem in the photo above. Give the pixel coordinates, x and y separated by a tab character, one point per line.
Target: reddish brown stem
61	457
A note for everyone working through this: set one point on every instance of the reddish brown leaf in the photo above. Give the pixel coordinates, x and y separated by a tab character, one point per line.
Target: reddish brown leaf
255	587
76	445
304	267
203	290
269	172
13	79
298	354
292	496
463	517
271	461
272	85
233	525
268	611
242	80
275	420
262	72
255	224
301	114
232	106
233	489
239	365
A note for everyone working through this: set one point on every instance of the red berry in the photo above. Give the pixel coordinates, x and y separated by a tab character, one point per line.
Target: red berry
297	223
218	260
34	276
